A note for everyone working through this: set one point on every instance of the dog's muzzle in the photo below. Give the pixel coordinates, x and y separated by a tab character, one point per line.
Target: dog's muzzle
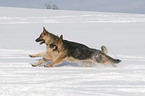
40	40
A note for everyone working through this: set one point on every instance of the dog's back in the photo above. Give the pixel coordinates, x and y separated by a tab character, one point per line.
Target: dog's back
82	52
77	50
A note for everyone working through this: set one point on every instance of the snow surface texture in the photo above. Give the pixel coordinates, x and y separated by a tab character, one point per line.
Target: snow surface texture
122	34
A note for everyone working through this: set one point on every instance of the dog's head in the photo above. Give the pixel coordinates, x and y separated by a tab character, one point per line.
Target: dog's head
58	44
44	37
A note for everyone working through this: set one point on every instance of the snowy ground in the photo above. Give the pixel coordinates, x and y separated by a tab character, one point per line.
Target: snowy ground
123	34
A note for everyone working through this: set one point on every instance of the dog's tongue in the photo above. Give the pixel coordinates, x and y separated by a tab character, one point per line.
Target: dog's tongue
41	42
54	47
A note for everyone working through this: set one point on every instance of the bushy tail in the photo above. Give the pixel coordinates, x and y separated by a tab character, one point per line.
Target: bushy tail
104	49
113	60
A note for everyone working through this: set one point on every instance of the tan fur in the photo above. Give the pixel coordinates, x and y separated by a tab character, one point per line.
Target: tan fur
57	60
38	55
47	54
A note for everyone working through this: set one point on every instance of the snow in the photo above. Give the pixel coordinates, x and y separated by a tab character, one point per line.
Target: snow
123	35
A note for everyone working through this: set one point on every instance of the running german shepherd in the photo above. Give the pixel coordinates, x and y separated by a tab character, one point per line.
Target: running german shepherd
48	38
74	52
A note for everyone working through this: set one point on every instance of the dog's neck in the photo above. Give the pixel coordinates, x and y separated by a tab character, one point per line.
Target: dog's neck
61	48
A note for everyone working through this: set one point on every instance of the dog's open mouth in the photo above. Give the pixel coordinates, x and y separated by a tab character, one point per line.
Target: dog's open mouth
54	47
41	42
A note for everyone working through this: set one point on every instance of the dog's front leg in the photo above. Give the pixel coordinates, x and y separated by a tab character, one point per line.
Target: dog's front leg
56	60
38	55
59	61
48	57
40	62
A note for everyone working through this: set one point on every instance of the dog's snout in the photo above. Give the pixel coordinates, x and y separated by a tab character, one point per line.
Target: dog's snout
37	40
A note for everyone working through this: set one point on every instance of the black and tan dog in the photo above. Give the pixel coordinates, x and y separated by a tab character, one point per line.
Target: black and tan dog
47	38
75	52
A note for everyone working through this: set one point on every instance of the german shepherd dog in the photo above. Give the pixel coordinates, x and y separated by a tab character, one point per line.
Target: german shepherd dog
75	52
47	38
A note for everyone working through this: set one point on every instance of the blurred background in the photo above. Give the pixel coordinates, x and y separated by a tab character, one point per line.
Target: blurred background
119	6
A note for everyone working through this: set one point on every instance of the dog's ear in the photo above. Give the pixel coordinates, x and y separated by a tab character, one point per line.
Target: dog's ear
45	31
57	38
44	28
61	37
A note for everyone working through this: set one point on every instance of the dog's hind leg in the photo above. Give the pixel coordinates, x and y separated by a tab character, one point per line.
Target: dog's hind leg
112	64
38	55
102	58
111	60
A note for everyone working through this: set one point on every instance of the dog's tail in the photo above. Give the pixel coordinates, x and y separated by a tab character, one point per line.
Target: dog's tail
104	49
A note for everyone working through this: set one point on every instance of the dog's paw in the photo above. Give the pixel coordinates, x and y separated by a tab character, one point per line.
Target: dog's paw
33	65
32	56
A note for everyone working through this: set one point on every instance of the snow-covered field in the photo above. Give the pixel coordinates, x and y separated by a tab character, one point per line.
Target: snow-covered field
122	34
